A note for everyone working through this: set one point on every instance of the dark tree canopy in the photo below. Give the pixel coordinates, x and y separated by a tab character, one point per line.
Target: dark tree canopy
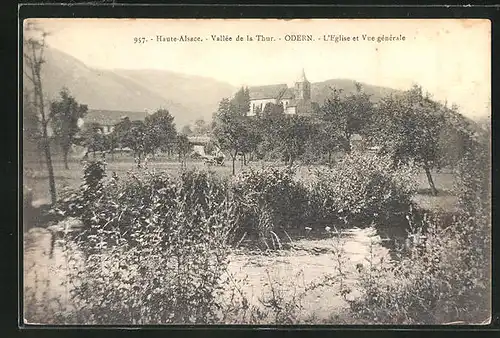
241	101
64	114
344	116
93	137
230	130
159	131
183	147
408	127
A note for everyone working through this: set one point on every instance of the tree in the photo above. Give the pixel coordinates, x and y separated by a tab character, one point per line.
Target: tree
31	128
345	116
272	120
159	131
229	129
241	101
33	49
328	138
183	148
294	137
273	111
120	131
253	132
64	116
93	138
132	134
318	145
284	134
186	130
455	138
201	127
408	127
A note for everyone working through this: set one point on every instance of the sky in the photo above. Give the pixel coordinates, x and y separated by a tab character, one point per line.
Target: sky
449	58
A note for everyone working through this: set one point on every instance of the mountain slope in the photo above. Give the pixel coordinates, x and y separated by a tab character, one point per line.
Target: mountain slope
320	91
107	90
201	95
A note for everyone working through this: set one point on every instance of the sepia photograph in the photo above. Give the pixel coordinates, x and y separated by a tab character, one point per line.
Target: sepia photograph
255	171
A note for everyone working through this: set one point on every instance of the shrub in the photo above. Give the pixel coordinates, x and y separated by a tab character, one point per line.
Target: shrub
154	250
444	276
360	189
78	203
433	282
270	200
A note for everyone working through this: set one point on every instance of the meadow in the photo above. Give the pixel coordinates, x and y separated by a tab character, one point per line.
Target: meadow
36	177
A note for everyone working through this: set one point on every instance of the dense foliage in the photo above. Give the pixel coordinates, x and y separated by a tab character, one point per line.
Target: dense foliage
64	116
153	248
444	273
362	189
270	202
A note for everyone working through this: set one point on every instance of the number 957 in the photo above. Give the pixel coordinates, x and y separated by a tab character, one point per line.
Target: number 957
139	40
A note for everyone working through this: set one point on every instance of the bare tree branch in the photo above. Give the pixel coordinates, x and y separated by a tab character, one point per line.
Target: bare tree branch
29	77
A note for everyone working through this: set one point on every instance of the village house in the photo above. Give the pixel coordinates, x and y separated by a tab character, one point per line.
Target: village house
295	101
108	119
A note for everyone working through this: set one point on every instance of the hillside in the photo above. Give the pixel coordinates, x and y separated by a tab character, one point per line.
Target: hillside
200	95
186	97
320	91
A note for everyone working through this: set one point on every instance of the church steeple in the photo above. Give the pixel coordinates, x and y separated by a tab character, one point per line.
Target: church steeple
302	77
302	87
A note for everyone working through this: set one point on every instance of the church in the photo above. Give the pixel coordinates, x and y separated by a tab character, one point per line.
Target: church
295	101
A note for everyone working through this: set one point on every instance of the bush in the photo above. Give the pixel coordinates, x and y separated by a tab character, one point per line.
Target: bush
269	200
433	282
445	274
360	189
79	203
153	250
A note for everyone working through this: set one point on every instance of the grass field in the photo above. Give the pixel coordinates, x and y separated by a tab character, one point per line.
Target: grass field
37	179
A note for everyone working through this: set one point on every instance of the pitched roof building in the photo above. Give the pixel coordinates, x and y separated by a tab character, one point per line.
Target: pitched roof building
295	101
108	119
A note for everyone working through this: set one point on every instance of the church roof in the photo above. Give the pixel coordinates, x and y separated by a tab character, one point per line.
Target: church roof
270	92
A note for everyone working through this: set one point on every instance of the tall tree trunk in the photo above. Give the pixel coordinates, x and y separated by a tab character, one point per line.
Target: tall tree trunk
40	153
48	160
431	181
234	160
46	139
35	66
65	158
329	158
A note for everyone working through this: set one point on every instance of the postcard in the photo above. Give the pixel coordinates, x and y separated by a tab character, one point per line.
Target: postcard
256	171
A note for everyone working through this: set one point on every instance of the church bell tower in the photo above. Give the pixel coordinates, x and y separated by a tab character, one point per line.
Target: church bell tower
302	88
